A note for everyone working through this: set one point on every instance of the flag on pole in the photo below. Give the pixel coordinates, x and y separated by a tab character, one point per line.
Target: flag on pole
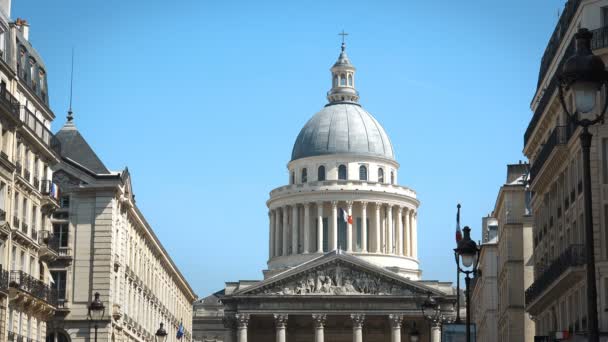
347	218
458	231
180	331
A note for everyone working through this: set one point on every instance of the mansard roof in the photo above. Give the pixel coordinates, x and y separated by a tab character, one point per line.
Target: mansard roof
76	149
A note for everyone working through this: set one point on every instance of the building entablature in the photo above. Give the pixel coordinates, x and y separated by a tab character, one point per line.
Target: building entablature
344	196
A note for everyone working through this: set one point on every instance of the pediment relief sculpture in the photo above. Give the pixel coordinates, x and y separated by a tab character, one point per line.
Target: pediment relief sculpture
337	279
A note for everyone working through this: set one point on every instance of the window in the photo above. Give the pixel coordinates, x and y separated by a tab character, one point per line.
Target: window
604	16
304	175
3	199
60	280
335	80
293	178
64	202
321	173
362	172
380	175
392	177
350	80
342	172
60	230
342	79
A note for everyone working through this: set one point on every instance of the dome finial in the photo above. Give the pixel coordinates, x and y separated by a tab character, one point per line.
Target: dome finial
343	78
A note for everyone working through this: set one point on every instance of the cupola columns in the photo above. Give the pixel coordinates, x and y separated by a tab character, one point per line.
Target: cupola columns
343	80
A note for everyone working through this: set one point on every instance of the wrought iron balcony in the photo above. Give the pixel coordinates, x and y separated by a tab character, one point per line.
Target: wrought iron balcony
49	246
50	193
599	41
9	103
573	256
3	279
34	287
560	136
35	125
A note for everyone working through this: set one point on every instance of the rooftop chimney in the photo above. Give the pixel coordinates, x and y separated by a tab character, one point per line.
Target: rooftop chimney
24	27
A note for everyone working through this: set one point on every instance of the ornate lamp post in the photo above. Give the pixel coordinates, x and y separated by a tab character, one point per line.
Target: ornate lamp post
161	334
585	75
96	311
468	254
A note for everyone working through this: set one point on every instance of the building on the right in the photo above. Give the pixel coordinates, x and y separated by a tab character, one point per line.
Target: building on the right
557	298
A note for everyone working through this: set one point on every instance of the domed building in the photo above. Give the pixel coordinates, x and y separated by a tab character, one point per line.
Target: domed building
343	253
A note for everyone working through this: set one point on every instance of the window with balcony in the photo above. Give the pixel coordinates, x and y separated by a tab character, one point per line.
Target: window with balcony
61	231
342	172
60	280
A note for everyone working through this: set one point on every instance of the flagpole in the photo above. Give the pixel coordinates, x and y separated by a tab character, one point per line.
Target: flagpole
457	269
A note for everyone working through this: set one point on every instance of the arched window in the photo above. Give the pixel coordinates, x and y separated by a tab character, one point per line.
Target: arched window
304	175
362	172
335	80
321	173
380	175
350	80
342	79
392	177
342	172
293	178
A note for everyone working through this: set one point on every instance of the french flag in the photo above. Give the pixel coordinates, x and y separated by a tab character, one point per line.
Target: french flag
347	218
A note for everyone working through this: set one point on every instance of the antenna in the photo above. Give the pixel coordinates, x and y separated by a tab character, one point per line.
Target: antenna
70	116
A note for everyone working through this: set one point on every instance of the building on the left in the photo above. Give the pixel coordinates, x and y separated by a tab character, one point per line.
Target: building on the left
27	195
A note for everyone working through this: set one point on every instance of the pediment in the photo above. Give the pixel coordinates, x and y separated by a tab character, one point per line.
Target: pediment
337	275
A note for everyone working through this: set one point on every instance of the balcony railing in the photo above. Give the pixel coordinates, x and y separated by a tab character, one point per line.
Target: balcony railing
571	257
599	41
48	188
65	252
33	286
560	136
9	102
35	125
49	239
3	279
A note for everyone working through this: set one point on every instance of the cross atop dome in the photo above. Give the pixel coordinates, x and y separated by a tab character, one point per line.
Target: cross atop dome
343	78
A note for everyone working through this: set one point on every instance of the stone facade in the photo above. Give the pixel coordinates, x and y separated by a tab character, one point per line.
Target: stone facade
484	297
27	195
557	298
111	249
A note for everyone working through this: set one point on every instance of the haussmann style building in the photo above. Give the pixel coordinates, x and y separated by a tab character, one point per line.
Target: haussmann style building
557	299
343	252
106	246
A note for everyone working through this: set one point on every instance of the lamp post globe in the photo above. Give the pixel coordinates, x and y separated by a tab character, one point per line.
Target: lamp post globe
161	334
96	311
467	249
429	307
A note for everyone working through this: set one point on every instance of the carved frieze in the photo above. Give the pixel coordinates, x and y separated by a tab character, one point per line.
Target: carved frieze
336	279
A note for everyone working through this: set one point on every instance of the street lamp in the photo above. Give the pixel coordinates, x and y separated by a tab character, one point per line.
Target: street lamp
468	254
585	75
96	311
161	334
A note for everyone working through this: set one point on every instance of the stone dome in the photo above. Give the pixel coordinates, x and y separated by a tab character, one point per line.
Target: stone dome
342	128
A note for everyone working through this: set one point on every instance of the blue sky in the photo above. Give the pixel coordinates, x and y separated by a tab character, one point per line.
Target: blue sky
202	100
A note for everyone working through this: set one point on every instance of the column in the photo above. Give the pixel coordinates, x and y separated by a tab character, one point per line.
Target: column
333	234
285	228
395	321
389	234
280	321
242	320
377	228
435	332
277	232
320	227
364	227
349	228
408	238
318	321
399	230
306	228
415	235
271	231
357	327
294	229
230	325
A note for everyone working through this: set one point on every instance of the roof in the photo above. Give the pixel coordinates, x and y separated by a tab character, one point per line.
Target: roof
76	148
342	128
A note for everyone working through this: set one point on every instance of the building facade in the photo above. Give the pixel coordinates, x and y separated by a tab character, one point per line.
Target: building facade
515	271
343	253
557	298
484	297
107	246
27	194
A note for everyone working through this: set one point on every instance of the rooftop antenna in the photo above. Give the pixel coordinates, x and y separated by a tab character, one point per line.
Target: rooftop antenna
70	116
